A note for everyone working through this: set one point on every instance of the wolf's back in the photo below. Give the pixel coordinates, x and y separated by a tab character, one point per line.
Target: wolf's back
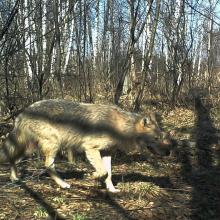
57	109
63	112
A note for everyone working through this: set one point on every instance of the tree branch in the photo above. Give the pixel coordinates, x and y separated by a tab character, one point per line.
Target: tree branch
10	19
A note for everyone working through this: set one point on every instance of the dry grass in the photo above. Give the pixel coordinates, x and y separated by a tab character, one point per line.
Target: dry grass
176	187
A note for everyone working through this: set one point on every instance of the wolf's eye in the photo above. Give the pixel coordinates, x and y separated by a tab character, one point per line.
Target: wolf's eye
146	121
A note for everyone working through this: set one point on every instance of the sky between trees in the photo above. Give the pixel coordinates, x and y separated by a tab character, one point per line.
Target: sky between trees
94	48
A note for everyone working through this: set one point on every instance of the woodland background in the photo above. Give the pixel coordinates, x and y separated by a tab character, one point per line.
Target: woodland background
160	55
115	50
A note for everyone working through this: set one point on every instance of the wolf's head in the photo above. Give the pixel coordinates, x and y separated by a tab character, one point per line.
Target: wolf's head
151	136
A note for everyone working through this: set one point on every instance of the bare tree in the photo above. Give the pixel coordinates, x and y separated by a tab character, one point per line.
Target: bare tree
108	49
147	57
134	36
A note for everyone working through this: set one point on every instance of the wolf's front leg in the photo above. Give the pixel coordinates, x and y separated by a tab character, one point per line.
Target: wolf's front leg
49	163
71	156
95	160
108	181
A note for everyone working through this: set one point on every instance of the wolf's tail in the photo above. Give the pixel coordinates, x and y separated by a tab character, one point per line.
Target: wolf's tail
11	149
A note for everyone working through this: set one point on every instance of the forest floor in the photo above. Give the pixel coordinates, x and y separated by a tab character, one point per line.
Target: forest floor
185	185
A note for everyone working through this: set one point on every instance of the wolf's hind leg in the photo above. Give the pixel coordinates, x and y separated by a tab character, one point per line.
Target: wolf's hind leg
95	160
14	173
71	155
49	164
108	181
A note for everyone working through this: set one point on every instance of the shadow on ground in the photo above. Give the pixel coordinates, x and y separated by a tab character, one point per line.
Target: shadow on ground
203	173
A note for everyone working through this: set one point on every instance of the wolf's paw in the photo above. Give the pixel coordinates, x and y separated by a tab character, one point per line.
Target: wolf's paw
110	187
113	190
14	179
64	185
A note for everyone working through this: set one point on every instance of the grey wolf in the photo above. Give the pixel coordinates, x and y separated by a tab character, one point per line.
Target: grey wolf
94	129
